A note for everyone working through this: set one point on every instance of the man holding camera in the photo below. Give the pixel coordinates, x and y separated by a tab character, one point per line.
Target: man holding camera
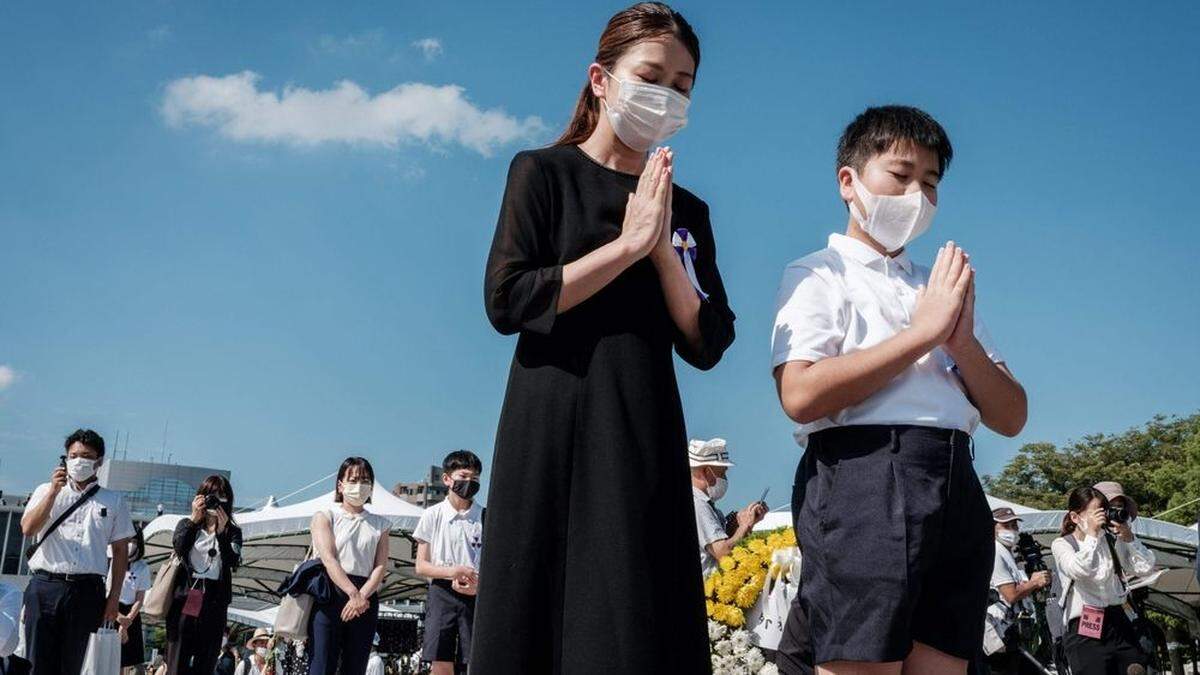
718	535
1014	588
73	522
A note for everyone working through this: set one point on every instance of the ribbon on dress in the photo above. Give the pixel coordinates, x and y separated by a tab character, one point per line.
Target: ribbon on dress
685	246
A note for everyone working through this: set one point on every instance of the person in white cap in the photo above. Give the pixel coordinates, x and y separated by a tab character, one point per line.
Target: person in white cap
1014	587
710	464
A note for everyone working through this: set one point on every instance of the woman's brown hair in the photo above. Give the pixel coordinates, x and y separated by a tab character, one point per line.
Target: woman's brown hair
1077	501
217	484
641	22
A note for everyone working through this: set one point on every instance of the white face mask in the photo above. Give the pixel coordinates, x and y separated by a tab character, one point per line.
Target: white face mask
262	652
81	469
356	494
1008	538
717	490
892	220
644	114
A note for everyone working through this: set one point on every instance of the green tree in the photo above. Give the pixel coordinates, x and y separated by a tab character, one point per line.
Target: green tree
1157	463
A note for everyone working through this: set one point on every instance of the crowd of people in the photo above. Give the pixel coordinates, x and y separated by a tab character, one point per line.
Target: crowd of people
604	267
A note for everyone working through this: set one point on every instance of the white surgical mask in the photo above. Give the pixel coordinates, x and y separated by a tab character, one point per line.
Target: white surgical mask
1008	538
717	490
356	494
644	114
262	652
892	220
81	468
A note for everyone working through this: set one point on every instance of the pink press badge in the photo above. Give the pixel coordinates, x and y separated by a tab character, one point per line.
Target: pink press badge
195	598
1091	622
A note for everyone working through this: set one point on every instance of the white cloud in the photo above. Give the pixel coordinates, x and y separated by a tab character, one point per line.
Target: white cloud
430	47
7	377
346	113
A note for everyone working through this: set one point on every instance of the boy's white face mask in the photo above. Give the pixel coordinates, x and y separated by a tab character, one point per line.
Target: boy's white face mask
644	115
892	220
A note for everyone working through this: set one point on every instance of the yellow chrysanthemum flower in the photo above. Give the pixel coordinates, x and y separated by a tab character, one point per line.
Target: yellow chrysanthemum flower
727	563
734	617
746	596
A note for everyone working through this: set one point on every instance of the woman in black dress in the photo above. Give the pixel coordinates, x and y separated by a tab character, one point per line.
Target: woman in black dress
590	560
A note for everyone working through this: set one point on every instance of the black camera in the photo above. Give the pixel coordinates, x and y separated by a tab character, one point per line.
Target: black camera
1117	513
211	501
1029	552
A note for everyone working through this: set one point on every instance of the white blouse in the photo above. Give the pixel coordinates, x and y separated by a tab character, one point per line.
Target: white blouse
205	556
1091	571
356	538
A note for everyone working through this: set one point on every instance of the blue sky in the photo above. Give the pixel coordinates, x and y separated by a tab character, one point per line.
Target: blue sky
289	269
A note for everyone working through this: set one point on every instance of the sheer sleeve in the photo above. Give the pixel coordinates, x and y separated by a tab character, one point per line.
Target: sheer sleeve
523	277
716	318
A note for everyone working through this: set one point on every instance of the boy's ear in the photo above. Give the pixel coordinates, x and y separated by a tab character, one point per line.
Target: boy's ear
845	179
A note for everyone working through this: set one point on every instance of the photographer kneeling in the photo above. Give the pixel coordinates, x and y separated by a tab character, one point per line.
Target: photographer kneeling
1095	554
1014	588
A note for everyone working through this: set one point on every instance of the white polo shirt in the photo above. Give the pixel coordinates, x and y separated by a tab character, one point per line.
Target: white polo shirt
137	578
454	537
80	544
1005	570
710	527
846	298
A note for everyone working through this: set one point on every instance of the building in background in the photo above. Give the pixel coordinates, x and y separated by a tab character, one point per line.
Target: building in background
154	488
13	567
425	493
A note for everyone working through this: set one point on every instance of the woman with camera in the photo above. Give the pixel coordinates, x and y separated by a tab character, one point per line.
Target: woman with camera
209	545
1095	555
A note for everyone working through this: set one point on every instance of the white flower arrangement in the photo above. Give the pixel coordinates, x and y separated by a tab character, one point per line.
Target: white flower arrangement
734	654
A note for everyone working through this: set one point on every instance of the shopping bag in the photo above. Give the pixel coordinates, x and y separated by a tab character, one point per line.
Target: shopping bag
158	599
291	621
103	656
767	617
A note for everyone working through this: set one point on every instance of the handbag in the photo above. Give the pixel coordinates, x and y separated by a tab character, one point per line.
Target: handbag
103	656
296	604
158	599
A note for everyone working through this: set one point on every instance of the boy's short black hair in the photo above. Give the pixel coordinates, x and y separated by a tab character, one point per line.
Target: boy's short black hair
88	438
461	459
877	129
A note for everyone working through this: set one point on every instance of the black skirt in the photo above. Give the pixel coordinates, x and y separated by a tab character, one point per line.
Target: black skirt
589	561
133	651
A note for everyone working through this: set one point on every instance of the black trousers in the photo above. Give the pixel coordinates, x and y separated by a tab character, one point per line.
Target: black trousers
333	642
1112	654
60	616
194	642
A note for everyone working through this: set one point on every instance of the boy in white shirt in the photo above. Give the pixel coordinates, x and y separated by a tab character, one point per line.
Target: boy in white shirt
887	372
449	540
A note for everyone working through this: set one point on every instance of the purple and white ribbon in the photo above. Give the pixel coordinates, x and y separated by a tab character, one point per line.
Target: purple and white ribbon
685	246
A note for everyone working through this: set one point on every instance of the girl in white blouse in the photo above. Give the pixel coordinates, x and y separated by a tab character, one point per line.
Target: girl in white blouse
1099	636
353	545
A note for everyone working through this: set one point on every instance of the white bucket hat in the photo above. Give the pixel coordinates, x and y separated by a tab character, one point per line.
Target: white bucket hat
708	453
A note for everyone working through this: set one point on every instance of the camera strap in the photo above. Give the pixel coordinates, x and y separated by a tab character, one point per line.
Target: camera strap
1112	549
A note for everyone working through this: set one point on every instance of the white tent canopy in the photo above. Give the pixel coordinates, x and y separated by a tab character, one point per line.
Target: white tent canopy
276	538
782	516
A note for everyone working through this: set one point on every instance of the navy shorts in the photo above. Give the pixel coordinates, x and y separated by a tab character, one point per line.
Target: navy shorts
449	616
898	546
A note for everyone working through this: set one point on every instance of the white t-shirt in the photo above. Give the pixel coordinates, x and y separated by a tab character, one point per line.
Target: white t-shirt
1091	572
80	545
846	298
356	538
375	664
1005	570
454	537
205	556
137	578
10	618
710	527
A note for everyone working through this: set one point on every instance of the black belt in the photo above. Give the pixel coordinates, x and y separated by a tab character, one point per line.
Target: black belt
69	578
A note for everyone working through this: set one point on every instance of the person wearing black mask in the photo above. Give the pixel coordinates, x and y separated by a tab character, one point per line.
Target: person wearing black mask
449	538
209	544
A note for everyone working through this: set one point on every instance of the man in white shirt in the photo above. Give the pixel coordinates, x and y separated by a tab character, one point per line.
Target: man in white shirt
65	599
1013	585
887	372
375	661
710	464
449	541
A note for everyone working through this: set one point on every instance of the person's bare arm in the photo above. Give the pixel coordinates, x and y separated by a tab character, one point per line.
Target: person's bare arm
1016	592
747	518
425	568
120	564
380	566
1001	400
34	519
683	303
322	534
809	391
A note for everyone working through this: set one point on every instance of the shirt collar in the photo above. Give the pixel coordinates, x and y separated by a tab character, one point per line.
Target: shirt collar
472	511
700	494
861	253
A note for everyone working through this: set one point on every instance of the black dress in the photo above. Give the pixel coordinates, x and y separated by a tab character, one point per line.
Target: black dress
590	561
